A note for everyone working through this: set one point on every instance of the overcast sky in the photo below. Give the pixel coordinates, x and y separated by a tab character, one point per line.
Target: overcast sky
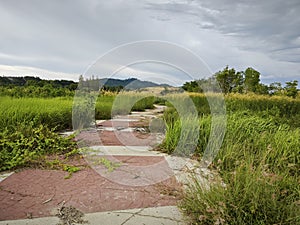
58	39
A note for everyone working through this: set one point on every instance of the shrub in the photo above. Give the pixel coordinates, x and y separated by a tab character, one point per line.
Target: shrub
27	143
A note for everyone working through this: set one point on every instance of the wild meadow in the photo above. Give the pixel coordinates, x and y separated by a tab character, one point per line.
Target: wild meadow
259	162
259	159
29	126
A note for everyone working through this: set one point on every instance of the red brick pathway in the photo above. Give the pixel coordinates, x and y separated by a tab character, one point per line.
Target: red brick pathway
39	193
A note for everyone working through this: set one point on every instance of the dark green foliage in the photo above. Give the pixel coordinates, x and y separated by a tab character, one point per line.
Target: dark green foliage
275	88
291	88
192	86
229	80
112	88
47	91
35	81
35	87
18	81
262	89
247	81
144	103
252	79
26	143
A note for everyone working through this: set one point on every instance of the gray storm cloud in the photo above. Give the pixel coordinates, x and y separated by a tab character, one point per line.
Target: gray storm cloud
64	37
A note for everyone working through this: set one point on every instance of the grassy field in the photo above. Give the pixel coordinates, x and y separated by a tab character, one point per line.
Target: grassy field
258	160
28	126
260	165
54	112
57	112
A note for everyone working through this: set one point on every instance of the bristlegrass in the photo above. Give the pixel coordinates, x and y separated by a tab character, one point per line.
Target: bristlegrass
259	162
57	112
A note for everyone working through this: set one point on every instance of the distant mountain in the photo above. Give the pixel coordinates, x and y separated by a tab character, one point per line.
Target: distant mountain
130	84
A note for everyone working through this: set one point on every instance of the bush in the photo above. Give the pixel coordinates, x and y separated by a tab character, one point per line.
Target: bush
26	144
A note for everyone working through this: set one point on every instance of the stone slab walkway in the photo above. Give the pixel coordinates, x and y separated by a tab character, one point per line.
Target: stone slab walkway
143	189
165	215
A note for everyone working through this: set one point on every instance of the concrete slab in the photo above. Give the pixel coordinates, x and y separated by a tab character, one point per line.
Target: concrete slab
142	114
122	119
103	137
100	121
168	215
132	170
67	133
5	175
124	129
35	221
187	170
123	150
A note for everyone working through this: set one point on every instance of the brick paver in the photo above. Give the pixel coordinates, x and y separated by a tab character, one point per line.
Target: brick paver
32	193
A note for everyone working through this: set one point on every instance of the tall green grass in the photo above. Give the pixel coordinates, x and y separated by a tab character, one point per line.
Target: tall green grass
103	106
273	105
260	165
259	162
284	109
125	102
28	125
175	134
55	112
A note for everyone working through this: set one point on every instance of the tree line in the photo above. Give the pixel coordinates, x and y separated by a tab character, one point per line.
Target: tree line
230	81
36	87
29	86
248	81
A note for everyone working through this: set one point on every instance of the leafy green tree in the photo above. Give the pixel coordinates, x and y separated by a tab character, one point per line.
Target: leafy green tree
112	88
262	89
275	88
291	88
72	87
192	86
229	80
252	79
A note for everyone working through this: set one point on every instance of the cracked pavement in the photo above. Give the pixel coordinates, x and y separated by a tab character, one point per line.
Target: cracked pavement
33	196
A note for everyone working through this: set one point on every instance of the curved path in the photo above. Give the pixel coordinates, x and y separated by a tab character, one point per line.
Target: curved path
123	181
